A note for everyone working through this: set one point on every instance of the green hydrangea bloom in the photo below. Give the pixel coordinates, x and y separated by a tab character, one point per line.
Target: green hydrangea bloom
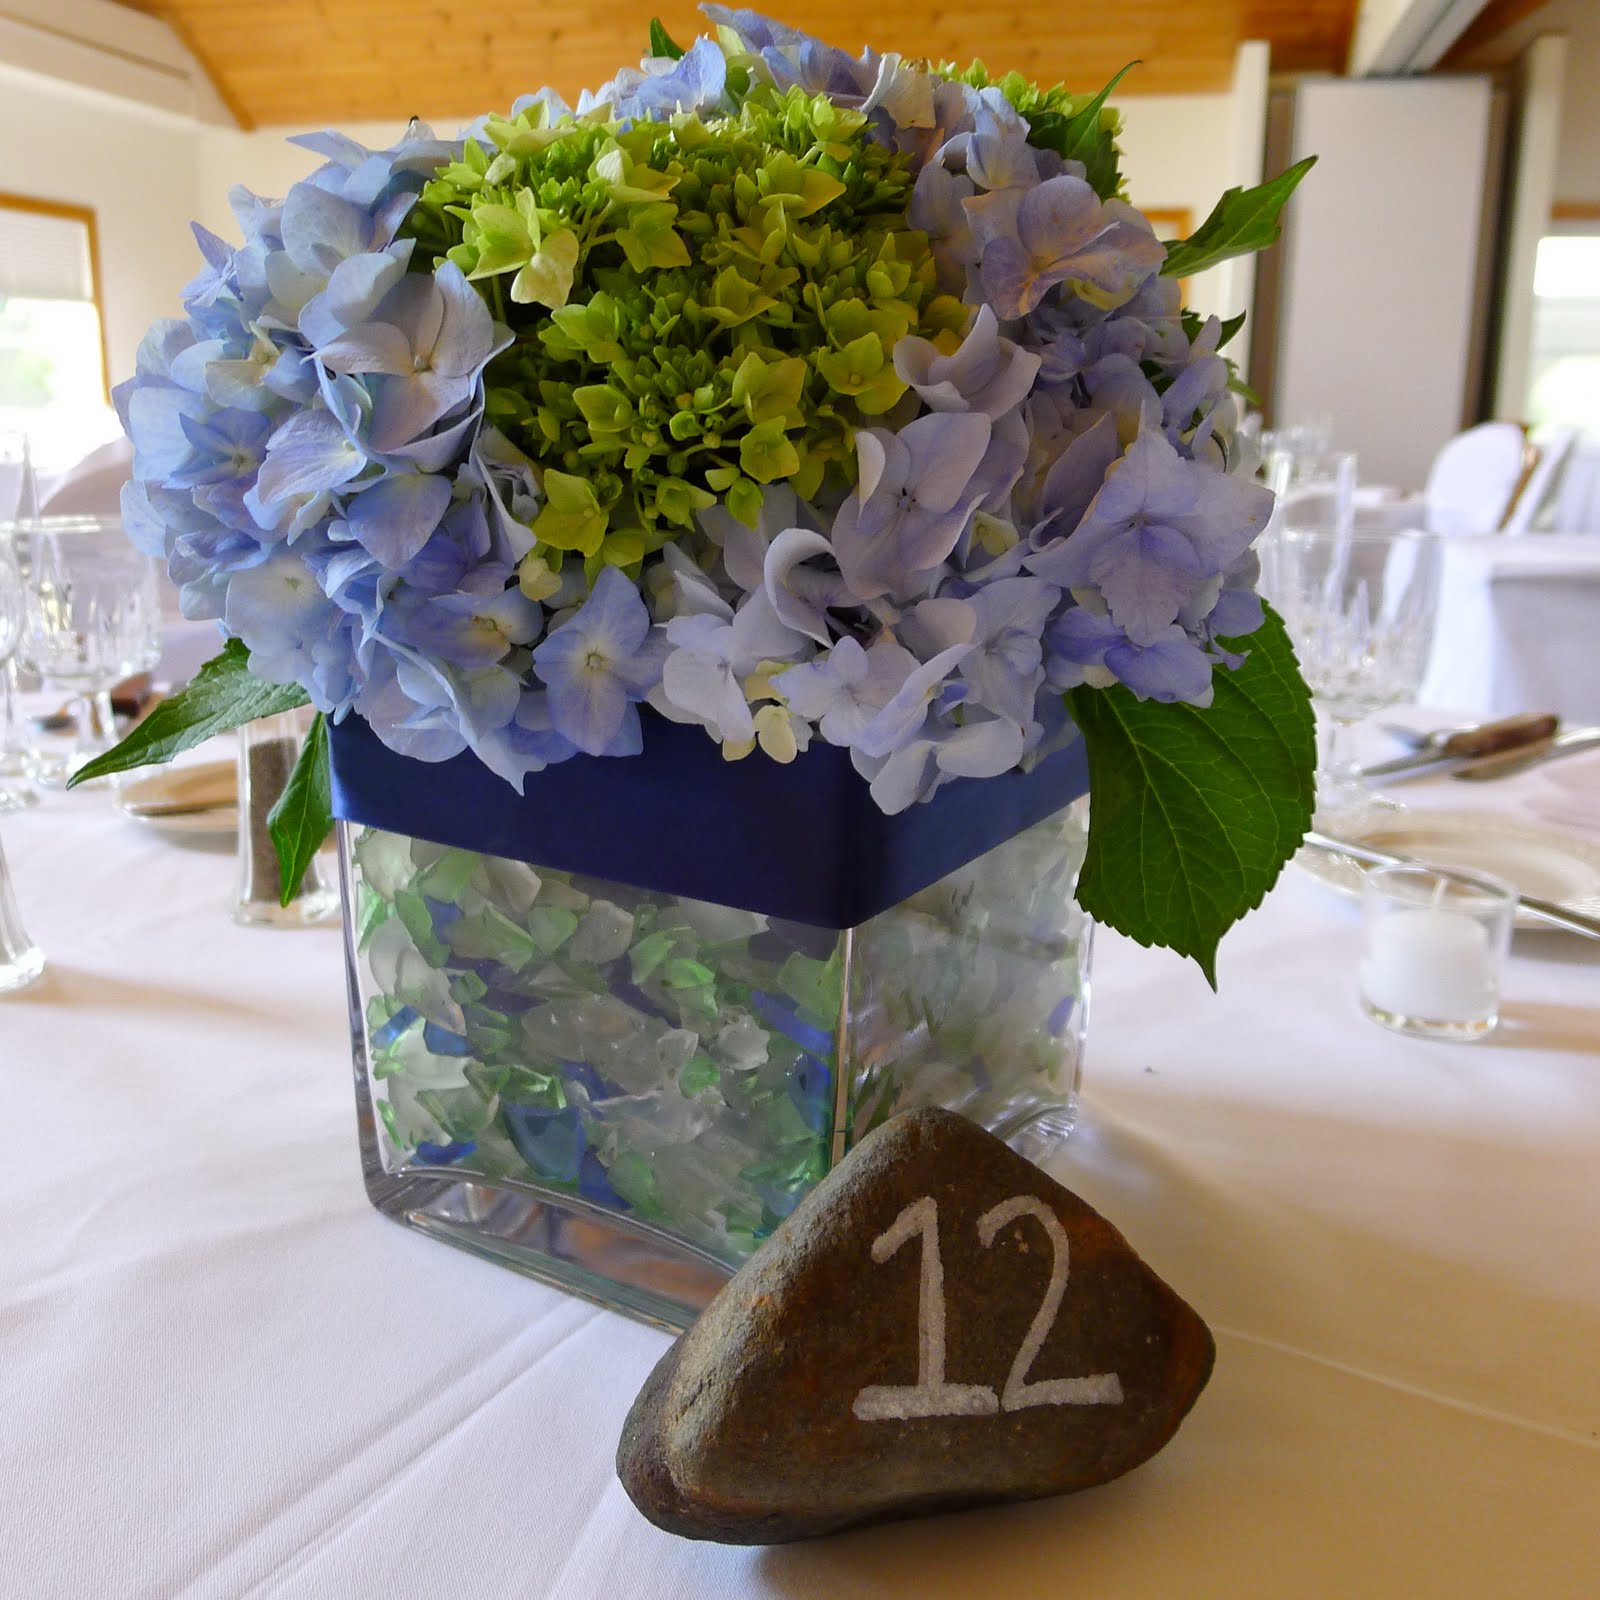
702	308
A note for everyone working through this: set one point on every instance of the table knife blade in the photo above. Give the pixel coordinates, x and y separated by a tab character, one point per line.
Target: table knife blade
1512	762
1468	744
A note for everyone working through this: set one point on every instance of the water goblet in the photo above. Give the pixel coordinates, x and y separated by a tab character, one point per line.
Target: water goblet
15	791
19	504
1314	487
1360	609
93	616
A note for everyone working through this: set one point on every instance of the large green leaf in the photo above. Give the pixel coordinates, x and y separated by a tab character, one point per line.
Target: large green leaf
302	815
662	42
223	695
1242	222
1086	141
1192	814
1082	138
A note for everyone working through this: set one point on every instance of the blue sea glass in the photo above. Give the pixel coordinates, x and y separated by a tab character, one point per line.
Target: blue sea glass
624	1091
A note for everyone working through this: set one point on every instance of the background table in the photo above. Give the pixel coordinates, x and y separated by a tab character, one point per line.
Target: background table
1519	626
223	1374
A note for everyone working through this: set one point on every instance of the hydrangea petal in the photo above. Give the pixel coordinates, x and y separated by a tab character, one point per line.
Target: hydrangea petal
395	516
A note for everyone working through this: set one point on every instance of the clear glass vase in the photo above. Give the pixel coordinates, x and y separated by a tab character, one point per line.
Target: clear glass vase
623	1092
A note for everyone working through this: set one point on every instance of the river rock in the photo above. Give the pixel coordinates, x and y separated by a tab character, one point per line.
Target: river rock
938	1325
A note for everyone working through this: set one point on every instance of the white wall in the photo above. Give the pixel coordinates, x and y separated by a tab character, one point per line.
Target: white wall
1178	152
1578	158
1380	266
1185	150
134	169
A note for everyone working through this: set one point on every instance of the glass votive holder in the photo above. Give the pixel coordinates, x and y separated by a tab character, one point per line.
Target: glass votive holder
1434	943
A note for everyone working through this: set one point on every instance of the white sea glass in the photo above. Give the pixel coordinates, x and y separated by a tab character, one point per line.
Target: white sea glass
624	1092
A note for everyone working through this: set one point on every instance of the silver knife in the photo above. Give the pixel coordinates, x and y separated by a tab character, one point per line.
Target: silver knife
1534	755
1469	744
1546	911
178	808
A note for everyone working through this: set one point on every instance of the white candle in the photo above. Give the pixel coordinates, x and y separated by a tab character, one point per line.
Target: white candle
1431	964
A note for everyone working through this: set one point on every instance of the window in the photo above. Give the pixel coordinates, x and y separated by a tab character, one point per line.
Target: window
1564	375
53	383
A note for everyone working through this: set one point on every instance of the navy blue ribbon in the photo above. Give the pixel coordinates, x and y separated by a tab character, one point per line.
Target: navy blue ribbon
802	841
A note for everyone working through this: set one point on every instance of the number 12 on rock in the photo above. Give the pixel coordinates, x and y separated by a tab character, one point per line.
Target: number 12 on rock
932	1395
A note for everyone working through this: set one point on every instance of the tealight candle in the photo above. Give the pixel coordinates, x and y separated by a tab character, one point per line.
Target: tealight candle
1435	945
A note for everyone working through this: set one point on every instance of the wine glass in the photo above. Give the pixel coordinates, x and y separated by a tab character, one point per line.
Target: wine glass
1360	610
1314	487
15	791
93	616
19	505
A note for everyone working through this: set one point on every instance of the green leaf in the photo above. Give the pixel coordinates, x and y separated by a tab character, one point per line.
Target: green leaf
222	696
1192	814
1085	140
303	814
661	43
1242	222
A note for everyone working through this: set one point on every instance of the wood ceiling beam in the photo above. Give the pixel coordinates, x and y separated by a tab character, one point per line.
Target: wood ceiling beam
332	61
1496	18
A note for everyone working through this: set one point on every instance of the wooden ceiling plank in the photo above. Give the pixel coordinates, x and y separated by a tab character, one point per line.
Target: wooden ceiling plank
373	58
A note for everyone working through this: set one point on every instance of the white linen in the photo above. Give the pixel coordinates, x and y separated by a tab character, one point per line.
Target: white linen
1541	492
222	1374
1519	627
185	647
1380	508
1568	792
1578	502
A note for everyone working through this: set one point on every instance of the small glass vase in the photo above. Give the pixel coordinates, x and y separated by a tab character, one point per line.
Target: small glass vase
623	1092
268	749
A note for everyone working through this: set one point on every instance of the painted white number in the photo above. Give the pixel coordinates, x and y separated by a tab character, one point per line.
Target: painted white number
931	1396
1101	1388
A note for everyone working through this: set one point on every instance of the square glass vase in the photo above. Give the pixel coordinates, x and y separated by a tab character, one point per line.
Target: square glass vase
623	1092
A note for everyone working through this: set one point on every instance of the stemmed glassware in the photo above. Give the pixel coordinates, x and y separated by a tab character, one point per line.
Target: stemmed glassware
1316	487
93	616
1360	609
20	958
19	505
15	790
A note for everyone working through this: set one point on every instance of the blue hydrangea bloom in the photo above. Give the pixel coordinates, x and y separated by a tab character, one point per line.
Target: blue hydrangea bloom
1060	498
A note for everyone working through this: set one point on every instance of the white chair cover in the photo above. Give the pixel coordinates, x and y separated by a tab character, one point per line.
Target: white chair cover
1534	507
1474	477
93	488
1578	494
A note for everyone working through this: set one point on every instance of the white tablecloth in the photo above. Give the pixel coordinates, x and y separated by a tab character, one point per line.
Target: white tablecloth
1519	626
223	1375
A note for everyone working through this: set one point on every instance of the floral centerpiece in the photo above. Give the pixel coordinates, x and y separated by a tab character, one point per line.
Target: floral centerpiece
837	413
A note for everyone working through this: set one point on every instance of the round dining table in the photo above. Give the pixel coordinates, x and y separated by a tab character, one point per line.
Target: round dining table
223	1374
